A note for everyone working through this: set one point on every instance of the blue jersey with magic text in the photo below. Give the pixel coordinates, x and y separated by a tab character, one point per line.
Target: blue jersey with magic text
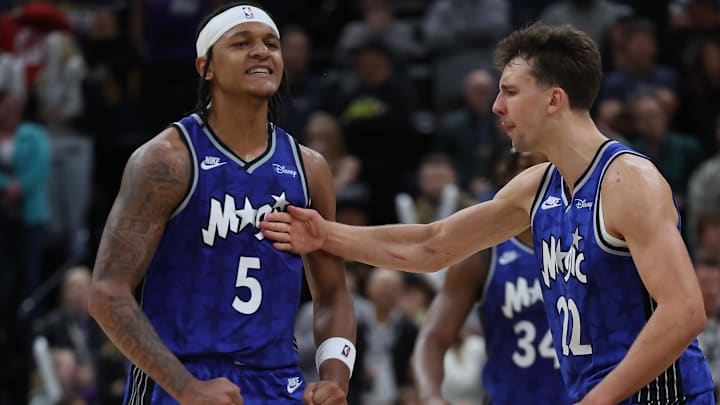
215	285
521	365
595	300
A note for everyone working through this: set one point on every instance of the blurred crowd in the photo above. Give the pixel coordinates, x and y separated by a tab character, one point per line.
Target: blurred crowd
395	94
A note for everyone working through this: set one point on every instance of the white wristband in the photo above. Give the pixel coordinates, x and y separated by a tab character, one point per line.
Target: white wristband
336	348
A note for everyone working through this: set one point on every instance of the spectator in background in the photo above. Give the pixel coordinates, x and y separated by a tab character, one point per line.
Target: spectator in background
440	194
112	85
70	326
470	134
376	121
708	236
161	31
323	134
708	273
704	190
635	71
594	17
391	338
692	20
701	100
25	163
65	367
23	36
461	35
379	21
675	154
306	93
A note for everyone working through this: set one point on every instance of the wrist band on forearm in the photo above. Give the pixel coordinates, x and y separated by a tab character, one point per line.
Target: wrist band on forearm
336	348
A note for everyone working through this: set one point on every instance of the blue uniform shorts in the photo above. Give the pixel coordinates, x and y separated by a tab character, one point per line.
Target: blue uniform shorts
283	386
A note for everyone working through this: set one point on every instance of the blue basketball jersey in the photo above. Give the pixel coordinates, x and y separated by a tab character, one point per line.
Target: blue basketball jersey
216	286
595	300
521	368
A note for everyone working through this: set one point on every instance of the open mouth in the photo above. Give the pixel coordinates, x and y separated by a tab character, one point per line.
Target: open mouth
259	71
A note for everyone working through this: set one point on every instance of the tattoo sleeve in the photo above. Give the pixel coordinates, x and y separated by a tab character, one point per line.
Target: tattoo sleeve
154	182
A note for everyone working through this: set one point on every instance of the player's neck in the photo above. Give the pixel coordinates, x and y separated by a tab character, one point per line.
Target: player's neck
573	145
241	125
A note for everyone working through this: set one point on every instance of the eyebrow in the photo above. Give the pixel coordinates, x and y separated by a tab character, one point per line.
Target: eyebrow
245	33
506	87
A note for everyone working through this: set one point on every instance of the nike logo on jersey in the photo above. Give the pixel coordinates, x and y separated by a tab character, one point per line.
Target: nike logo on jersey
508	257
293	384
211	162
550	202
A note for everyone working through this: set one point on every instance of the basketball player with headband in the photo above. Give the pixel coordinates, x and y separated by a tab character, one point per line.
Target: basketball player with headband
213	321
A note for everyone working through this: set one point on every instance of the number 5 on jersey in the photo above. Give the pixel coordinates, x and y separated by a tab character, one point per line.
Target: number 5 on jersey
251	283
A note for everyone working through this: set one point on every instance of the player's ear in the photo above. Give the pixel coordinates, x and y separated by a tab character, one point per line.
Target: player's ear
557	98
200	67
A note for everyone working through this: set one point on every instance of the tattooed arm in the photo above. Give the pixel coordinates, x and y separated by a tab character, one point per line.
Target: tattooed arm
155	180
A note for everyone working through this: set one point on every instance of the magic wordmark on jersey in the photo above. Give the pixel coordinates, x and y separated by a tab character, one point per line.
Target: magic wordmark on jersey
567	263
226	216
520	295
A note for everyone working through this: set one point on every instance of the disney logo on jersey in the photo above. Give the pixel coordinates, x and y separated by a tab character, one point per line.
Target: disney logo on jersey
567	263
224	216
520	295
583	203
280	169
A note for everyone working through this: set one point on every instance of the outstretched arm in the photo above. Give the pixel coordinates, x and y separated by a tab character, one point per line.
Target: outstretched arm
648	222
444	319
154	182
333	314
421	248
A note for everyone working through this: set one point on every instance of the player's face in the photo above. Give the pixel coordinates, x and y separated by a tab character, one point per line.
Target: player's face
521	105
248	59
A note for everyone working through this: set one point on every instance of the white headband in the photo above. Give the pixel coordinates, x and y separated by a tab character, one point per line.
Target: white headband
221	23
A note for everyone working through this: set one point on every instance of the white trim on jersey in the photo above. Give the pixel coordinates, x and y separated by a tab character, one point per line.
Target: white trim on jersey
301	168
195	175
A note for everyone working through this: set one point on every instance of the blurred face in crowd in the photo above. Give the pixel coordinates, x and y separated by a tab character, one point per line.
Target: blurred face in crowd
76	291
709	237
703	15
384	288
710	60
650	118
246	60
10	114
640	50
322	133
296	53
372	65
433	177
479	92
378	13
